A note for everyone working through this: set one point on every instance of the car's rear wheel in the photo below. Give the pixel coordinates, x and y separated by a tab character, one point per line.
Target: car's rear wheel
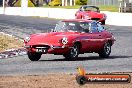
73	53
103	22
34	56
105	52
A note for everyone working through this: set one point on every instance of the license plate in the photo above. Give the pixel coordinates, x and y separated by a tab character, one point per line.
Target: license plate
41	50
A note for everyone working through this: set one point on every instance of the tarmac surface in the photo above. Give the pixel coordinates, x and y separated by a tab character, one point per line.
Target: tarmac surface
120	59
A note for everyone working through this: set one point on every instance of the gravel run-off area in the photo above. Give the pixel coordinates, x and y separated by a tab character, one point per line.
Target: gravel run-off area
53	81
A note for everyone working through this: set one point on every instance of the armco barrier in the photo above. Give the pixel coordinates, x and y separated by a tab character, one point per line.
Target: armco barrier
113	18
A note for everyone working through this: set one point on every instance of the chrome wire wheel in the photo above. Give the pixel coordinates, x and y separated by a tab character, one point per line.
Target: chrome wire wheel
105	52
107	48
73	53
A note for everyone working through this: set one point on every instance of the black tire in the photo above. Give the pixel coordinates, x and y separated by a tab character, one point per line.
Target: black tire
34	56
105	52
103	22
73	53
81	80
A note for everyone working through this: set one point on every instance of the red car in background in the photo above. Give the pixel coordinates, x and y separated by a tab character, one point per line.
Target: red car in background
90	12
71	38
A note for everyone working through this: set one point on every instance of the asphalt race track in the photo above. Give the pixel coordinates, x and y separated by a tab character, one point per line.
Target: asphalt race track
120	59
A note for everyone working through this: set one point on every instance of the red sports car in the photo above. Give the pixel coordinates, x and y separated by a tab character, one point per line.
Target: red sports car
90	12
71	38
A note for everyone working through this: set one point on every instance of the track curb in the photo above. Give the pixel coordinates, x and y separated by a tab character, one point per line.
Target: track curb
12	53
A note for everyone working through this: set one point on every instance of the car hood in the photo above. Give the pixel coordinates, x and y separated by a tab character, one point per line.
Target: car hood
93	14
52	38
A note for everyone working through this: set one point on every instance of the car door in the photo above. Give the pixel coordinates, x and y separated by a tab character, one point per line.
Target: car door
85	37
96	36
86	41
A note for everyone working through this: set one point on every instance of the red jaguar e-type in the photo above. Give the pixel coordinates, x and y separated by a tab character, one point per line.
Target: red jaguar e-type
90	12
71	38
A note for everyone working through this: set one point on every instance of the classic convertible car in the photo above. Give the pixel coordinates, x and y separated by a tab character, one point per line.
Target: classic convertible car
90	12
71	38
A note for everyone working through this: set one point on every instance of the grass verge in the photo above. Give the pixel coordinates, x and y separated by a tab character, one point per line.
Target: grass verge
102	7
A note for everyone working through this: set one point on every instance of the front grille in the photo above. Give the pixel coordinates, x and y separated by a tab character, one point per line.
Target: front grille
41	46
95	19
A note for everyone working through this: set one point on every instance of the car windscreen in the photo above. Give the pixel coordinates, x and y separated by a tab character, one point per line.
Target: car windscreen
72	26
90	8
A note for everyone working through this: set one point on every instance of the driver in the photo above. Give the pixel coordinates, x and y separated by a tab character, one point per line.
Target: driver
85	27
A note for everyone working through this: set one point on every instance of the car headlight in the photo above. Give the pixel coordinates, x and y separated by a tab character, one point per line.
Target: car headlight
64	40
27	39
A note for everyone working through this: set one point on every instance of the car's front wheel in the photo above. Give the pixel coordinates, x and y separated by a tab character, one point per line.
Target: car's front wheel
105	52
73	53
34	56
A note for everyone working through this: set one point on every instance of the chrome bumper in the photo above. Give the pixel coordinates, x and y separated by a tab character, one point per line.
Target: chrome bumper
53	47
59	47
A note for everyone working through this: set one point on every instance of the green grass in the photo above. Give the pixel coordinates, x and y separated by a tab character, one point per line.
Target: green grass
102	8
66	7
109	8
